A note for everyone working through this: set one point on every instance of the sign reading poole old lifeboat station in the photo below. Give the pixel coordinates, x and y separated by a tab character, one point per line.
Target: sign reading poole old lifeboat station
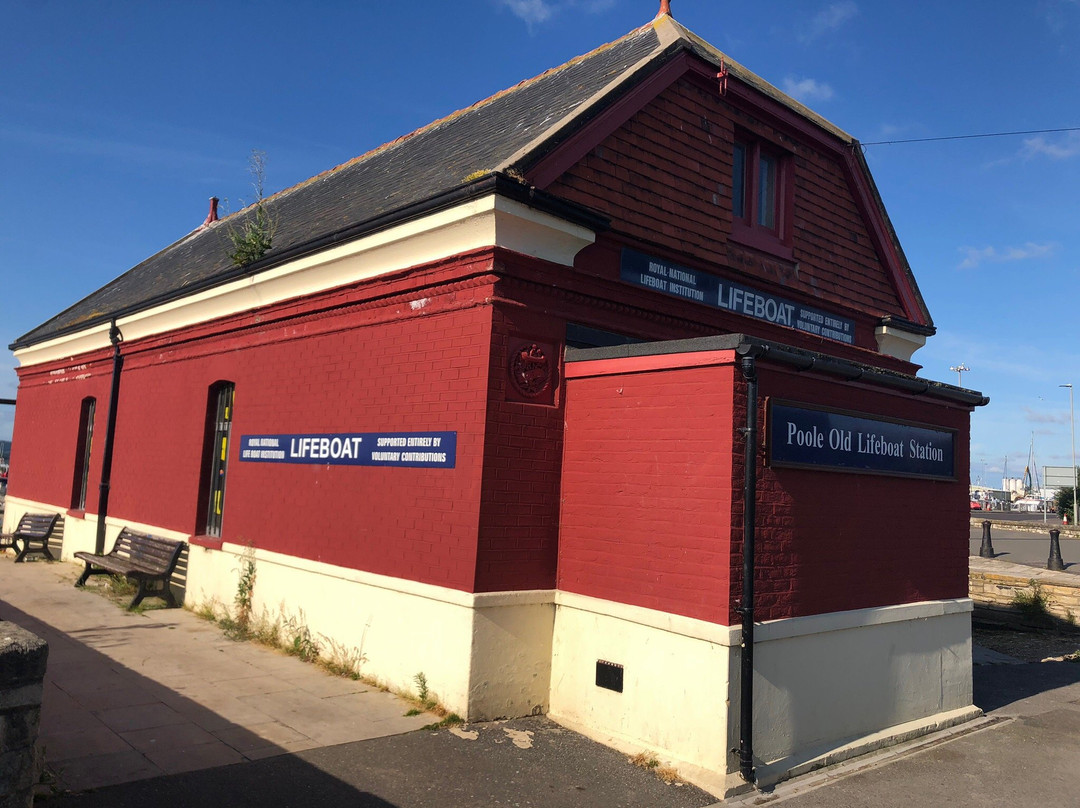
810	437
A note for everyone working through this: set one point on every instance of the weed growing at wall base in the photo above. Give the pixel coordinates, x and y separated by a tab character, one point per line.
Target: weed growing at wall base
649	762
286	632
1033	603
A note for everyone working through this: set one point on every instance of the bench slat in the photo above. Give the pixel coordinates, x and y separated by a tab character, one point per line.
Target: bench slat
36	529
139	556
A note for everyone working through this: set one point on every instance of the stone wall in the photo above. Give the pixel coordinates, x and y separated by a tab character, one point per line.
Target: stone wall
996	584
22	670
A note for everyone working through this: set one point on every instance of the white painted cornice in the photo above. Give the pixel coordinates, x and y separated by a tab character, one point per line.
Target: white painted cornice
491	221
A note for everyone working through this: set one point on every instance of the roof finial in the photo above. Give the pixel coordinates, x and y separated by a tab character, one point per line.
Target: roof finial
665	8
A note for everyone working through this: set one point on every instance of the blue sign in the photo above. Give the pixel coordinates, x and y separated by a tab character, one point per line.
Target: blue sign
701	287
409	449
818	438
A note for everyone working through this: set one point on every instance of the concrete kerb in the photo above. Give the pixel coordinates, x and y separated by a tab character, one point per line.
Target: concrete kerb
1067	531
818	778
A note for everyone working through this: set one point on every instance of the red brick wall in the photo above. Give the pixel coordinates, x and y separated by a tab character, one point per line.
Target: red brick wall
647	490
46	434
665	180
652	500
357	360
518	538
833	541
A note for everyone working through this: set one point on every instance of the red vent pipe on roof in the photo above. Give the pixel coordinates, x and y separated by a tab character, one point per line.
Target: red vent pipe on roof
212	216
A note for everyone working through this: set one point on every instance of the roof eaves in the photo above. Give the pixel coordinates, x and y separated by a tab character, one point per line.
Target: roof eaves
491	183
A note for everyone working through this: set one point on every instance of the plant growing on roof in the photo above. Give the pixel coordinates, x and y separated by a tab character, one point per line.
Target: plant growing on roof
251	240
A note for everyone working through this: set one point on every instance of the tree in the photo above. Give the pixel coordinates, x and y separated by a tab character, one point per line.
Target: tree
252	239
1063	502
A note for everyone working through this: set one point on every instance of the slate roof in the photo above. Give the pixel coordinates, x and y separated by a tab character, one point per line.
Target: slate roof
462	155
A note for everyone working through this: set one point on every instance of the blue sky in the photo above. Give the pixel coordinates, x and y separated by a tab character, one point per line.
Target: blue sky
118	120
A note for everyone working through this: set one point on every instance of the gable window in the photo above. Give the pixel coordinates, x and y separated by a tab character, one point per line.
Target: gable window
82	454
219	417
760	196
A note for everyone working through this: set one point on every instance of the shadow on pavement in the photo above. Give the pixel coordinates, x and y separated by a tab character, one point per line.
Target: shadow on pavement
116	737
80	742
280	781
997	686
523	762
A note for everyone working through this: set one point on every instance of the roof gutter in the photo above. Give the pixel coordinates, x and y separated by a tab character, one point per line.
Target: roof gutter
796	358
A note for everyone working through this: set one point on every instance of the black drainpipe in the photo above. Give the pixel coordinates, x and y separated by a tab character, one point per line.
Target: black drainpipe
115	337
746	608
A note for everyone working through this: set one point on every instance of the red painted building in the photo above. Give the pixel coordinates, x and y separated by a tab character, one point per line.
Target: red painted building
449	414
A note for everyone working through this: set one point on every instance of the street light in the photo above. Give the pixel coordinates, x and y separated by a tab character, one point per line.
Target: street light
960	370
1072	438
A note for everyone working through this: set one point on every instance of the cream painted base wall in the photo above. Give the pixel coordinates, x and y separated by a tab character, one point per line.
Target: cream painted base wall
80	533
831	686
675	679
827	687
484	656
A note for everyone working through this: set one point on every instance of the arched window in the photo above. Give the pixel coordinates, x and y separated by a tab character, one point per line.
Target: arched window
82	454
219	416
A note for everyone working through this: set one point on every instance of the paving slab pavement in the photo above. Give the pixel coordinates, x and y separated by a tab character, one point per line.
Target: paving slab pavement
160	708
130	696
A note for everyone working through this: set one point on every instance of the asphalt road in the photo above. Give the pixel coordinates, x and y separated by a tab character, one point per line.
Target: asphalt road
1027	546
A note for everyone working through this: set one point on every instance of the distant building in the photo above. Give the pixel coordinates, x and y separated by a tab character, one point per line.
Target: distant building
482	409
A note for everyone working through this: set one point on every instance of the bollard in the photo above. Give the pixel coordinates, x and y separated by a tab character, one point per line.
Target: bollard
987	549
1055	562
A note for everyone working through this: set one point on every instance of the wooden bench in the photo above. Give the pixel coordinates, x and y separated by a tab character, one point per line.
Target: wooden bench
143	558
33	532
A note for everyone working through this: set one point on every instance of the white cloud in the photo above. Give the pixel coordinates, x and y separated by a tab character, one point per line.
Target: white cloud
807	89
1056	13
829	19
1036	417
534	12
974	256
531	11
1059	149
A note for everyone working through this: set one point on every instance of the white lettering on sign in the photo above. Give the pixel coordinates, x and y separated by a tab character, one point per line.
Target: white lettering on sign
743	301
879	445
804	437
926	451
867	443
323	448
